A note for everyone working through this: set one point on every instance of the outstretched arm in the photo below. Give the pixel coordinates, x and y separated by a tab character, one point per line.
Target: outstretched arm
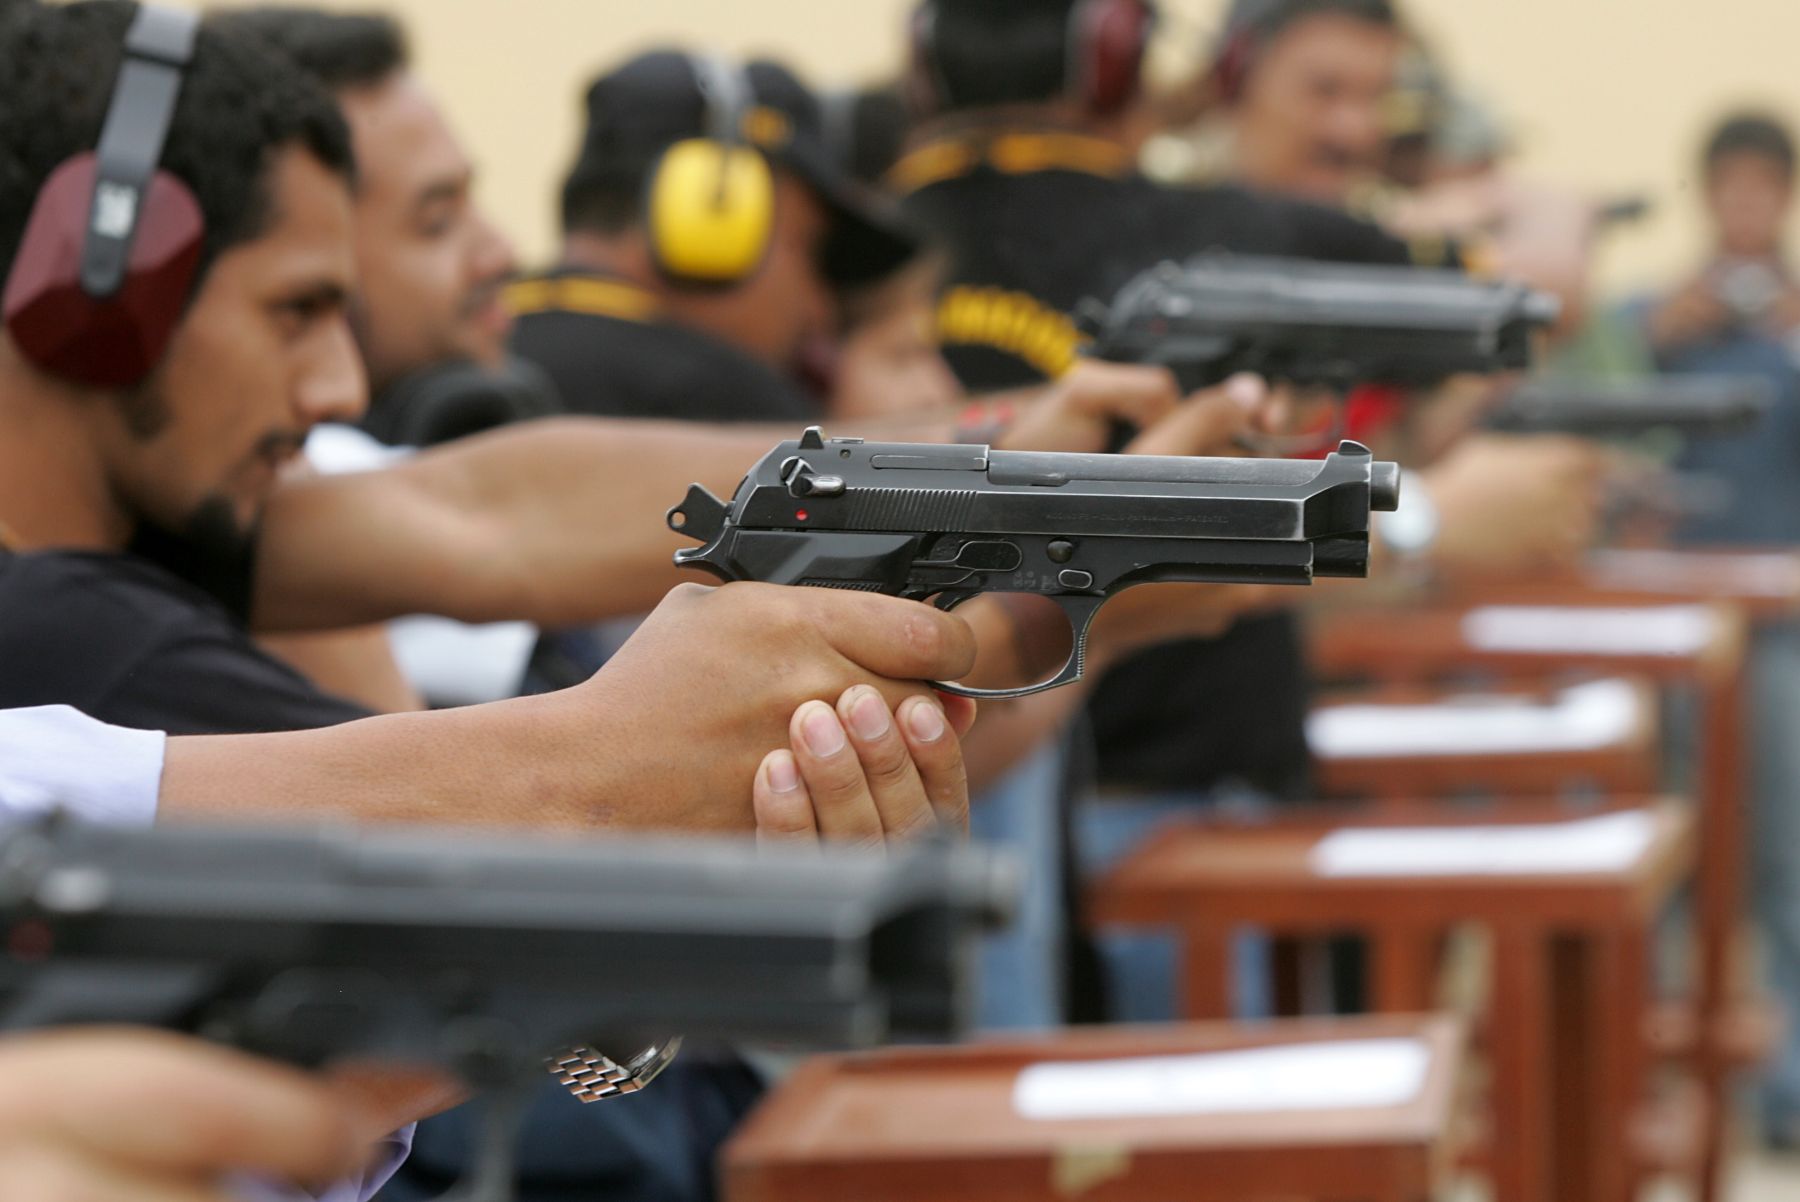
557	522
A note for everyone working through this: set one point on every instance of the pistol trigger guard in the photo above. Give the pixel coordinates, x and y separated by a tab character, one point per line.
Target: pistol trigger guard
1080	609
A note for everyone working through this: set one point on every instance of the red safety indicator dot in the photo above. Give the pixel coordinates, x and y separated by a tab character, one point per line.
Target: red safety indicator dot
799	515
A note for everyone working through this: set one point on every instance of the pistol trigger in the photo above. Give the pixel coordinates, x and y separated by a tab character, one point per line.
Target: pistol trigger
1080	610
700	515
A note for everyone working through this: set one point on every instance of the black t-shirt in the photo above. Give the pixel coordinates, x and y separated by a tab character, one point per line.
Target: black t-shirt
125	641
611	354
1025	248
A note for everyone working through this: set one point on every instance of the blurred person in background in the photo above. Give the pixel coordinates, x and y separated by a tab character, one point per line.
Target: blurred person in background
1306	97
429	327
1023	169
1739	314
643	316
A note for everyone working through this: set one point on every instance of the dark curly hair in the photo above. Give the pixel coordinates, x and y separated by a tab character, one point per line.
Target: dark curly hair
340	50
240	103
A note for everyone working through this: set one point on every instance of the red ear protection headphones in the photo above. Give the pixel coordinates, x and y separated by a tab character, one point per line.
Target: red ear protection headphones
110	249
1232	66
1106	41
1251	23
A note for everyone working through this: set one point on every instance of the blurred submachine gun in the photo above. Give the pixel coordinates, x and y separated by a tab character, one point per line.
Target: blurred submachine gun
1316	324
946	523
492	959
1685	406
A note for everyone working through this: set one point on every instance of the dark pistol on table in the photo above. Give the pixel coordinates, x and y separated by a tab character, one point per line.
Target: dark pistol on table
1316	324
493	959
946	523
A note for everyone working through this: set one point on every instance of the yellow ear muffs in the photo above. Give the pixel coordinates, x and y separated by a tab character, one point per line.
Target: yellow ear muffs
711	208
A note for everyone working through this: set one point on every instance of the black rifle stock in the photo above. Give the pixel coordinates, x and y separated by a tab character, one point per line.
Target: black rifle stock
489	958
1316	324
946	523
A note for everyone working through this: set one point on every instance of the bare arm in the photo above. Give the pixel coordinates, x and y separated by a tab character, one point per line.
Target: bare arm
557	522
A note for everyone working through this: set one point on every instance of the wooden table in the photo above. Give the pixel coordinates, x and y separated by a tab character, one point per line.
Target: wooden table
1762	583
1407	742
1571	972
941	1125
1702	647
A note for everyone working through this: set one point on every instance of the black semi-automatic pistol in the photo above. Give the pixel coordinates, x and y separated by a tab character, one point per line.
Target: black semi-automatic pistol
1686	406
1316	324
946	523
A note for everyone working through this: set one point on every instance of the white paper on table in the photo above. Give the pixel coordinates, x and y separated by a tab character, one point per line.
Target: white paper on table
1338	1075
1626	630
1609	843
1769	574
1600	713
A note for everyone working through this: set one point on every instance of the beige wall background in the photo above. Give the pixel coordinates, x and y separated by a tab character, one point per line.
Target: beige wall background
1607	95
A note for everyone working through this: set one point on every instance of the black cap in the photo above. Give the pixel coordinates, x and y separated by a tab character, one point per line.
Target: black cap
638	110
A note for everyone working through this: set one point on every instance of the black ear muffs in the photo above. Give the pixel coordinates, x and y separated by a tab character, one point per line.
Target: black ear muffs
108	257
710	204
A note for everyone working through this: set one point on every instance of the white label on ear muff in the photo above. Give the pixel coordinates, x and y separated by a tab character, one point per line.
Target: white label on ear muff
115	208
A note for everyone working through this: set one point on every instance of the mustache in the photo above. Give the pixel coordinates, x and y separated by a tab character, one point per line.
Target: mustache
484	294
279	445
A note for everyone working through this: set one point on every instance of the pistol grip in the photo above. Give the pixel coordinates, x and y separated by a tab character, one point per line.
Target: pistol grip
1079	608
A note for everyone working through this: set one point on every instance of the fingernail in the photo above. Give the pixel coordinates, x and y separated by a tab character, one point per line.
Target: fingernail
926	722
819	727
783	776
1245	389
869	715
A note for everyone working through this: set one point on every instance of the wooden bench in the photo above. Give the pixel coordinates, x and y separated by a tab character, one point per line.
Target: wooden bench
1351	1110
1570	941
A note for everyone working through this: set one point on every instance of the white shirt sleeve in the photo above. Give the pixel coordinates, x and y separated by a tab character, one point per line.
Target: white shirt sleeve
54	755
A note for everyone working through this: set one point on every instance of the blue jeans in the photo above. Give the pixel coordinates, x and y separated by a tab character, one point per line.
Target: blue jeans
1021	969
1141	965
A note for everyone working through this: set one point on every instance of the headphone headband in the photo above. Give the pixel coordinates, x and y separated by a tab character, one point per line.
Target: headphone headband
725	94
158	47
1104	43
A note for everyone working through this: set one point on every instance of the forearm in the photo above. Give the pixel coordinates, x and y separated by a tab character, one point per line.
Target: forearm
524	763
557	522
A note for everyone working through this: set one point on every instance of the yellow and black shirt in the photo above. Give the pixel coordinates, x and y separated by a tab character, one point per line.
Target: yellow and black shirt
1035	223
611	352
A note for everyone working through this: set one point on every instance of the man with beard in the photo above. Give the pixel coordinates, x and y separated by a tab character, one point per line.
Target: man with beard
122	459
107	485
